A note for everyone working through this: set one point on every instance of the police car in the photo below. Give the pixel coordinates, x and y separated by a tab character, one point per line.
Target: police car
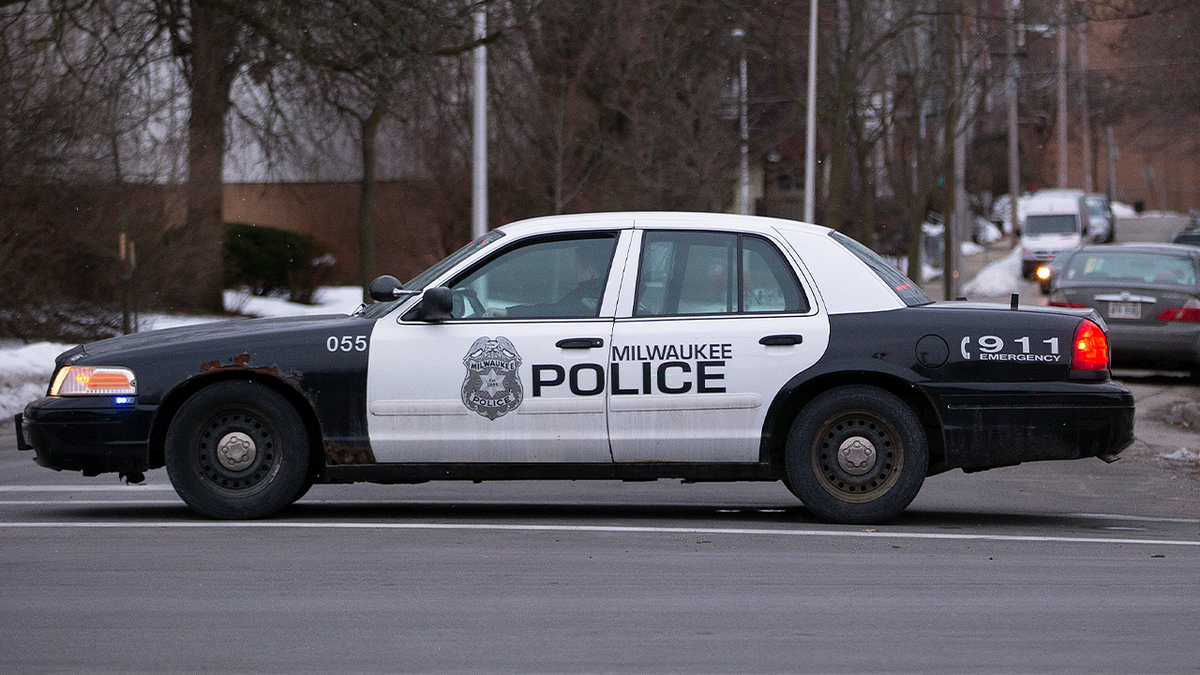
629	346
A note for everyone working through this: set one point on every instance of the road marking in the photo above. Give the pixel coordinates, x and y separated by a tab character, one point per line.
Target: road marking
610	529
83	488
1148	519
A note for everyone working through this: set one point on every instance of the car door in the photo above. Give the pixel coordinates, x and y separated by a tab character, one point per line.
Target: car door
517	374
711	325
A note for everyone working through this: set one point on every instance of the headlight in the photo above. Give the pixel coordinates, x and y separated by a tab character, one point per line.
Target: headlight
93	381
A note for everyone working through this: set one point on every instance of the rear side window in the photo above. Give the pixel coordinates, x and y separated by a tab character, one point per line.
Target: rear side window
909	292
689	273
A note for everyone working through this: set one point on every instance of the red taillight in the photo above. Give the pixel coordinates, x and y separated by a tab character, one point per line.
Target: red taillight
1191	314
1091	348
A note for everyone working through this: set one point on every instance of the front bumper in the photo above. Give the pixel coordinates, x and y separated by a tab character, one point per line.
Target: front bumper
992	424
90	434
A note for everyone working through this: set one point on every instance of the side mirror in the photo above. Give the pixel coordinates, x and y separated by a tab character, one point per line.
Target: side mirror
385	289
437	304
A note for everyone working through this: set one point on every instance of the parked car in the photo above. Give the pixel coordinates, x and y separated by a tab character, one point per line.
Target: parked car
1190	234
620	346
1147	293
1102	226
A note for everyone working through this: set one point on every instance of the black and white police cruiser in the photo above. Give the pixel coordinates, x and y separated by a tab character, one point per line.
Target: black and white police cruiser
629	346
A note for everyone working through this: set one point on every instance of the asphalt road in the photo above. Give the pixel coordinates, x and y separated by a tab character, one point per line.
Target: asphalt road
1047	567
1052	567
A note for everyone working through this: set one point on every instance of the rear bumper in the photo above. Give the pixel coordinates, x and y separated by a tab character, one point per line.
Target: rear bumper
1168	344
94	434
989	424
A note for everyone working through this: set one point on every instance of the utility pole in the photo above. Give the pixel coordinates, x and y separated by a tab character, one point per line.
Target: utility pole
1014	169
744	119
479	187
1062	93
810	142
1089	185
955	228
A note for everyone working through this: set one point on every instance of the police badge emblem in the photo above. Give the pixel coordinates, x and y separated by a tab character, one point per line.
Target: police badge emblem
492	387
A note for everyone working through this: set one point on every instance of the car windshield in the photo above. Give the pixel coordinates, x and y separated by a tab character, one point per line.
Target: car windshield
1060	224
1096	208
909	292
1131	266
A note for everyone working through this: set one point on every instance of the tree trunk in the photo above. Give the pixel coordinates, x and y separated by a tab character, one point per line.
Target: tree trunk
866	180
214	40
366	195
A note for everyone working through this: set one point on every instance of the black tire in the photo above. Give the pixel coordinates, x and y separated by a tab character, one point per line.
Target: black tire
885	463
262	469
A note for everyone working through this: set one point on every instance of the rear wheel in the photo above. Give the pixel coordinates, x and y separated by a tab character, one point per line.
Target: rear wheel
856	454
237	450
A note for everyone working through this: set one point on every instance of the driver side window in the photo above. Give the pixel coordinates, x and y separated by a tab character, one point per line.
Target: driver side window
560	278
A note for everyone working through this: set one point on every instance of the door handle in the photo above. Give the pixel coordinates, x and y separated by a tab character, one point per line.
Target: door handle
776	340
579	343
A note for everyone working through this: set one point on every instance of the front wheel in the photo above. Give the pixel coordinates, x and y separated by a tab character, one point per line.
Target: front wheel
237	450
856	454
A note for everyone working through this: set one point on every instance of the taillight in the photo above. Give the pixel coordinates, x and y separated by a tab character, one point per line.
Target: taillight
1189	312
1059	299
1091	348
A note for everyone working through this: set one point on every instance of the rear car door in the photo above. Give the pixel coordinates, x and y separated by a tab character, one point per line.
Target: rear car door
711	325
517	374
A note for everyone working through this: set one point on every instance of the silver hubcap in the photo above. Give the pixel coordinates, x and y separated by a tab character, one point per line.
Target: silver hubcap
236	451
856	455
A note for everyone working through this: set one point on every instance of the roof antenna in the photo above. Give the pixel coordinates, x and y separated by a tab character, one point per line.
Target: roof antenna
1013	302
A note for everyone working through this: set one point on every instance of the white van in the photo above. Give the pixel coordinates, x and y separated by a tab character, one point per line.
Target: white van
1055	220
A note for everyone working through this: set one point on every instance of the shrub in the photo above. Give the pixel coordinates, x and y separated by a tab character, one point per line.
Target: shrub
265	258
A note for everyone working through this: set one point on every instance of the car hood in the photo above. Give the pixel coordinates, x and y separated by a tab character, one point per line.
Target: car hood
175	338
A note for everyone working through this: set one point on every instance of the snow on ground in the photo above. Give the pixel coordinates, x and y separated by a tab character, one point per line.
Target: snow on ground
1183	455
25	370
997	279
1121	210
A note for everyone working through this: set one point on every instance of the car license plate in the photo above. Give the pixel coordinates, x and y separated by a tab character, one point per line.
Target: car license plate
1124	310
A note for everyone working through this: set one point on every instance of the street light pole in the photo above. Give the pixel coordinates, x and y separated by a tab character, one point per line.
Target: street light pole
479	195
1062	93
810	143
1014	170
744	117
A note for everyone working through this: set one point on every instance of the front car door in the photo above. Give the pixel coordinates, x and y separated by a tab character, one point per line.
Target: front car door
711	325
518	373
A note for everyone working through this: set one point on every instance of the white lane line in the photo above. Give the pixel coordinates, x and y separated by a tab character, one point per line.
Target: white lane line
84	488
612	529
89	502
1148	519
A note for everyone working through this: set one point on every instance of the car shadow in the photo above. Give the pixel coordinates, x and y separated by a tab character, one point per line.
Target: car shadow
584	514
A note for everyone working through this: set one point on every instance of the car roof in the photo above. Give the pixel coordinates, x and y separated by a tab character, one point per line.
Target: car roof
1147	247
672	219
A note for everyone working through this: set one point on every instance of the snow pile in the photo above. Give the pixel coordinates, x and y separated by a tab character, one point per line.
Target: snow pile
25	374
1000	278
1121	210
329	300
1183	455
970	248
25	370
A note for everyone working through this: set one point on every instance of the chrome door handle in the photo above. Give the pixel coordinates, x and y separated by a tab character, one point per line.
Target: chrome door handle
579	343
775	340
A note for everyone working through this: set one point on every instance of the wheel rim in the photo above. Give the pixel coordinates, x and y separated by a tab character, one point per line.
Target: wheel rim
235	452
857	456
